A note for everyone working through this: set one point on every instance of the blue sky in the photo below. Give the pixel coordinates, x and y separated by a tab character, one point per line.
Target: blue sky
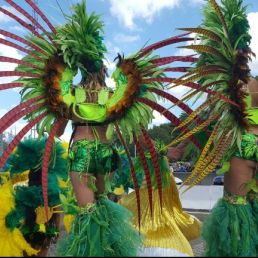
129	25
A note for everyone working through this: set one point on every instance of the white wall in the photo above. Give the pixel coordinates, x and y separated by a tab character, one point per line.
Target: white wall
201	197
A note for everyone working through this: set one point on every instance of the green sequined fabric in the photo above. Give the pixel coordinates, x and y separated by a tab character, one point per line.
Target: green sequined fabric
249	148
93	157
235	199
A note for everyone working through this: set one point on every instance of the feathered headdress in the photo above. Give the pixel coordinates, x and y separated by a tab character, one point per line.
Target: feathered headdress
221	71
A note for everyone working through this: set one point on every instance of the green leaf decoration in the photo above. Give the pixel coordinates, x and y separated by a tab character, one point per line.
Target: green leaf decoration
80	95
110	131
81	40
103	96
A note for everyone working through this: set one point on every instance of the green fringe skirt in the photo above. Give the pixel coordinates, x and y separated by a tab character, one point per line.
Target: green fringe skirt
231	230
254	204
104	230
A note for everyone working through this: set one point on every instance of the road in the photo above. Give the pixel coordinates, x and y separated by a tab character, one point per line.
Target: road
198	244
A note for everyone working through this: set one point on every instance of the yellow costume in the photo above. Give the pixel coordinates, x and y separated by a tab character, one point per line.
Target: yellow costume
12	242
167	233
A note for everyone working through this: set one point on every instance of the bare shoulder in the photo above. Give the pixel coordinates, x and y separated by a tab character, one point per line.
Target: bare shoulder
253	85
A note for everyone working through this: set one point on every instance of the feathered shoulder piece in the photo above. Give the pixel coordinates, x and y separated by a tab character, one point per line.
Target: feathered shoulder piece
221	72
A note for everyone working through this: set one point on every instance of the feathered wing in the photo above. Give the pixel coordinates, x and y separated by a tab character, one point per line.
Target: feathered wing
220	71
45	75
140	83
54	55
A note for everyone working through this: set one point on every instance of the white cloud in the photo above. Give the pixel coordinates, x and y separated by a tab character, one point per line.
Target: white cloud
128	11
197	1
18	28
186	51
110	83
158	119
2	111
112	50
110	65
5	18
122	38
253	18
67	133
179	91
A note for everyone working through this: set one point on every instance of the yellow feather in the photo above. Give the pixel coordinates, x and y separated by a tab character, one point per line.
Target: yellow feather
194	131
219	14
12	242
190	117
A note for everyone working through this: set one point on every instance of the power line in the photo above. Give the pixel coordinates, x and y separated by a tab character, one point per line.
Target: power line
60	8
35	15
1	144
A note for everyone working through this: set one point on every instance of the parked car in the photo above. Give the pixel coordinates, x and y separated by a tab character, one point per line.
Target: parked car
218	180
178	181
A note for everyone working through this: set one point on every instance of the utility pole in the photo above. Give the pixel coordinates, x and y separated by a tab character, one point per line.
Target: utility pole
1	144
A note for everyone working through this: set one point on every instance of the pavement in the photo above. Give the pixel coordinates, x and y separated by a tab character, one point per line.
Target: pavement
198	244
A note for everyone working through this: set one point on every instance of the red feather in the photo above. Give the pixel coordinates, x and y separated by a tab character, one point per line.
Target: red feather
172	118
7	121
133	173
197	86
18	138
191	85
23	23
17	61
164	43
4	119
13	45
155	161
10	85
22	40
173	99
15	73
170	59
28	16
45	162
41	14
146	172
176	69
159	79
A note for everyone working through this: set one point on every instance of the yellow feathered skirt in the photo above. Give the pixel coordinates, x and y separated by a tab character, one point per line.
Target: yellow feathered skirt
167	233
12	242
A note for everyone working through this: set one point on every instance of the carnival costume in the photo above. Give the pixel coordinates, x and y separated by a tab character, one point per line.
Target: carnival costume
222	71
53	57
166	233
25	230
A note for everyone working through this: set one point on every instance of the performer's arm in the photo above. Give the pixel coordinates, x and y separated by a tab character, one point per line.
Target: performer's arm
177	152
253	89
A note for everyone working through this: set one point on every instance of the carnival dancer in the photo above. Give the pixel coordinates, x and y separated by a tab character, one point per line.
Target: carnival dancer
222	71
25	230
49	98
236	234
101	227
166	233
